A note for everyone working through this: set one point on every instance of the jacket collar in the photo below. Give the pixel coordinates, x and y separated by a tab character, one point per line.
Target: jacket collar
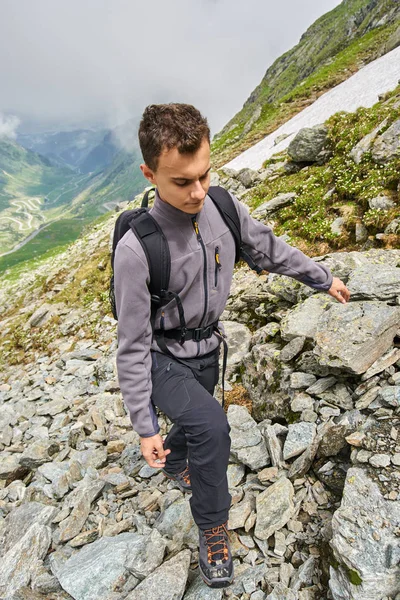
170	212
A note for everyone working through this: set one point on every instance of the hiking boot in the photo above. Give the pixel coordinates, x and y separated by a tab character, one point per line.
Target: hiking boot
215	559
182	479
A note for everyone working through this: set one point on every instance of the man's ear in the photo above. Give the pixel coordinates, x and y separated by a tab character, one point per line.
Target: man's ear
148	173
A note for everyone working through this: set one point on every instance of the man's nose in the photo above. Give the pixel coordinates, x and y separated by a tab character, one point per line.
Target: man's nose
197	192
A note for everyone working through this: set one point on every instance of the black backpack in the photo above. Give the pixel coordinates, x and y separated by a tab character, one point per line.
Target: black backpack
156	249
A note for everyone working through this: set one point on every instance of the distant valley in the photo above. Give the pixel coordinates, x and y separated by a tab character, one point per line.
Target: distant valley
53	184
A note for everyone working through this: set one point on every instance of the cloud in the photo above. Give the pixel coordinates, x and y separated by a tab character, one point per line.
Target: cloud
8	126
101	62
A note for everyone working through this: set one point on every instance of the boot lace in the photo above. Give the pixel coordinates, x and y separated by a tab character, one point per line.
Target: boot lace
185	475
217	549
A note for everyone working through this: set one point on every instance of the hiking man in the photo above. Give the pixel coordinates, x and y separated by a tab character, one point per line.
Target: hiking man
176	369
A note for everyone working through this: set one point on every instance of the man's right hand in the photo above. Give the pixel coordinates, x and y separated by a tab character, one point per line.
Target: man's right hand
152	448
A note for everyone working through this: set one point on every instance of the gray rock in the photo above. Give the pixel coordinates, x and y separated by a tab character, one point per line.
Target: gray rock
387	145
302	321
354	335
321	385
80	501
176	522
299	380
302	401
53	407
247	177
393	227
238	513
309	145
338	395
383	362
200	591
20	519
247	443
381	203
391	395
379	460
38	453
361	231
167	582
274	446
235	474
333	440
10	468
274	508
292	349
271	206
366	549
238	336
300	436
147	555
96	570
281	592
304	575
375	282
364	145
302	463
337	225
23	559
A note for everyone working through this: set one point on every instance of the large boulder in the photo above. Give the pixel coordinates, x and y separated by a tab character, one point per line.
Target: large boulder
310	145
365	542
353	336
375	282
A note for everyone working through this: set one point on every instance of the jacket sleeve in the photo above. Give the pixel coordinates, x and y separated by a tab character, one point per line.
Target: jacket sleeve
273	254
134	335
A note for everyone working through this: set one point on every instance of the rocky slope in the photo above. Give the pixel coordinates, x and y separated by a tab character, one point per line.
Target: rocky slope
84	517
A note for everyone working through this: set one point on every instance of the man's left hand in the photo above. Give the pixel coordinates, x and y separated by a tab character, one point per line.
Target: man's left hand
339	291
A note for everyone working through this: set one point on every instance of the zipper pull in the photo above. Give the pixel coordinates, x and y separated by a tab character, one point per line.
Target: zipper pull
217	260
196	228
162	320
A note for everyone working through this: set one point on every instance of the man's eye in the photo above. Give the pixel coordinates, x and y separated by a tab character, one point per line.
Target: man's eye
181	184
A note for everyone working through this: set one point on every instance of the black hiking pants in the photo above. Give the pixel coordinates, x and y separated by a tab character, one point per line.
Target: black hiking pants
183	390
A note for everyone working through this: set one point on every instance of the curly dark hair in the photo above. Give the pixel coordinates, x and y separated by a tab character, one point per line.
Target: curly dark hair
167	126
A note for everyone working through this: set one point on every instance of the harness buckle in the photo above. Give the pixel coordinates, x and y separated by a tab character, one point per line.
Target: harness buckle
197	334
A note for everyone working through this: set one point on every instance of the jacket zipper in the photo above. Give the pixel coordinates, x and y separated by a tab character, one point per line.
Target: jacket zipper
200	240
218	265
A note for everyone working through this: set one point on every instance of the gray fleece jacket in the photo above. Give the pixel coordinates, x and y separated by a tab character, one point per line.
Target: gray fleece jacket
202	283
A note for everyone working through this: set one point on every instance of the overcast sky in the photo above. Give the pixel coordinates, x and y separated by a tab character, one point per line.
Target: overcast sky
70	63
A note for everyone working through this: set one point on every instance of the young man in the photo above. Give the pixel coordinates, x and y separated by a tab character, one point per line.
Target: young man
163	372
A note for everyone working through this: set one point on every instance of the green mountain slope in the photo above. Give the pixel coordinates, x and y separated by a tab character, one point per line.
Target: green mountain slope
331	50
32	192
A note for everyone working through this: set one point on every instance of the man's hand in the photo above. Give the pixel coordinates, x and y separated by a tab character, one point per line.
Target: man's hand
339	291
152	448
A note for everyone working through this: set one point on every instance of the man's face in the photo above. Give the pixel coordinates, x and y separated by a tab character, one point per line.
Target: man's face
182	179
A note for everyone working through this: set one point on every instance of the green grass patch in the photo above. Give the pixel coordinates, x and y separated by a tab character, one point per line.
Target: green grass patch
307	220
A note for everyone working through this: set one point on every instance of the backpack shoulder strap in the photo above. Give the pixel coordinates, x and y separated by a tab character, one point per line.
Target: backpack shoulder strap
223	201
122	225
227	209
156	249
